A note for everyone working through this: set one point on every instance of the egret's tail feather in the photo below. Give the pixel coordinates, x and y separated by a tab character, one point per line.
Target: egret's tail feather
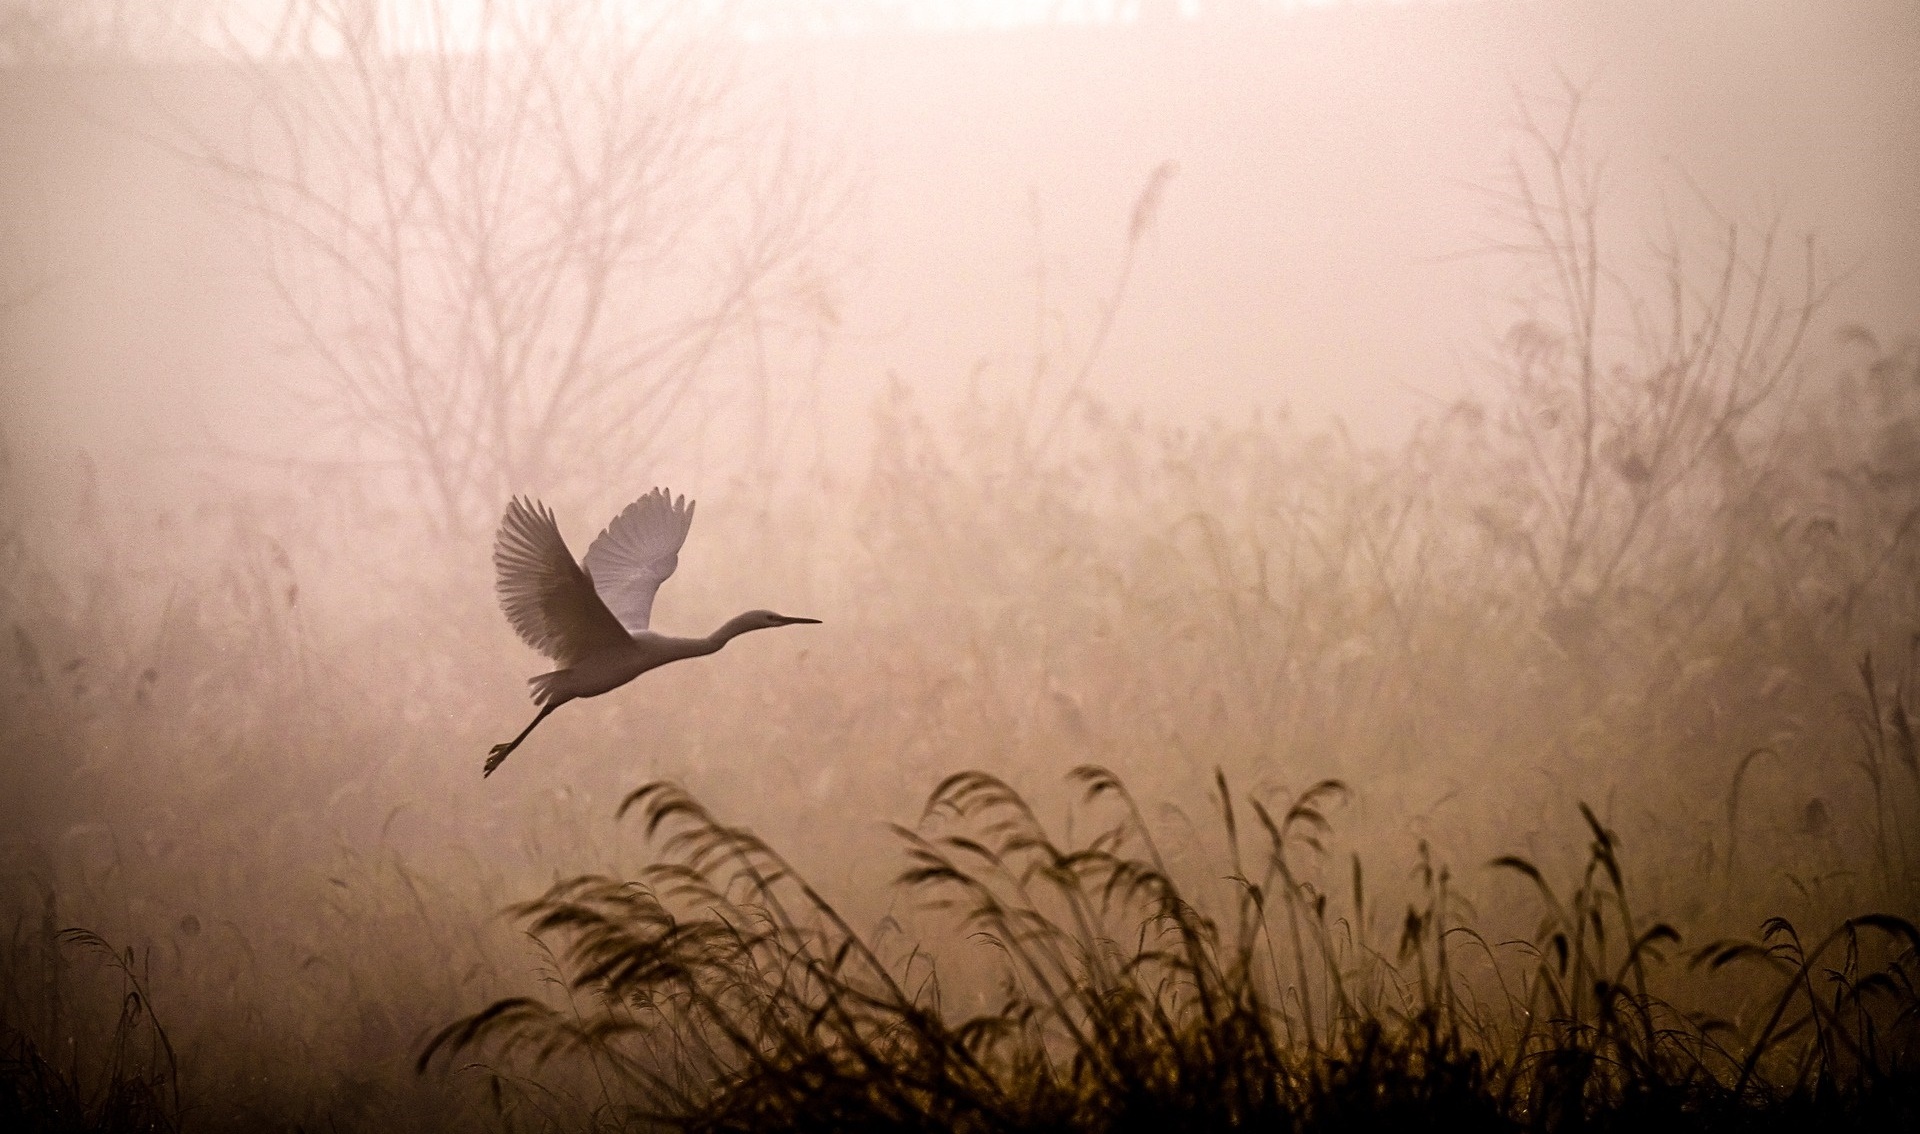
543	686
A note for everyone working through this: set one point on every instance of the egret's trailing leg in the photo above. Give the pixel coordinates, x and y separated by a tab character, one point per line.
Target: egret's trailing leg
499	751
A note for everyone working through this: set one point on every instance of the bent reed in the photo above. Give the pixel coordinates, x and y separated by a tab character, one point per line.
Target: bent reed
719	991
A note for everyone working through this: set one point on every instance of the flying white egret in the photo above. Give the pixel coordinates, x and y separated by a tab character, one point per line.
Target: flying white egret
593	621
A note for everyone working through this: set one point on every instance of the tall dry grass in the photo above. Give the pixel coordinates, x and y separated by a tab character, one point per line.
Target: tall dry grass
719	990
243	737
269	804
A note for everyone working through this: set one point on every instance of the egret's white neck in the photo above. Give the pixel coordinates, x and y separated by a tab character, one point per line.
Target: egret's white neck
729	630
666	649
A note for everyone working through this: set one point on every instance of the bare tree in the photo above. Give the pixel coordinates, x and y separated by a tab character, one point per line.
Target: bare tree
515	235
1637	418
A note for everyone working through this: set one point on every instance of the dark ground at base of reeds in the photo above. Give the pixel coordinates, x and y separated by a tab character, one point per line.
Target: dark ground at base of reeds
1378	1091
1374	1105
1368	1103
1379	1086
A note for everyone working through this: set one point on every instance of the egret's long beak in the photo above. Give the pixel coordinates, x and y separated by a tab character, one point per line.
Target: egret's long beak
786	620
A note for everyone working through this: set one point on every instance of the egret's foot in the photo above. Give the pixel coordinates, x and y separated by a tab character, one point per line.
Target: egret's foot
496	754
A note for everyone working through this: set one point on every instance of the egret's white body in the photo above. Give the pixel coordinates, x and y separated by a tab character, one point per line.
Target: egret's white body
592	617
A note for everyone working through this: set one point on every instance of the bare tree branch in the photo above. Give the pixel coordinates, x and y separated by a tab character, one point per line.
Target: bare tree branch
516	235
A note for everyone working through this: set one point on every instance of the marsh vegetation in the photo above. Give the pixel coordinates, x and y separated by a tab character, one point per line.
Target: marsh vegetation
1364	638
1552	766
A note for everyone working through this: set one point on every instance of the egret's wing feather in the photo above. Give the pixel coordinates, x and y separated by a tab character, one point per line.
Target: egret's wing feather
548	598
637	552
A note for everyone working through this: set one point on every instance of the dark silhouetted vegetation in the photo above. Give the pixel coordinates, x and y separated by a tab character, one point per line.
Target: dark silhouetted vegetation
720	991
122	1076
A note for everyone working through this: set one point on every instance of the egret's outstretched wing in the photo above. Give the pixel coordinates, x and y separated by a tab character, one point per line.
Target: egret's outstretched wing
637	552
547	597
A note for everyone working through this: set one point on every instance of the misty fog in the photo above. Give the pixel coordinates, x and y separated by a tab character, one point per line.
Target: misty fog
1494	407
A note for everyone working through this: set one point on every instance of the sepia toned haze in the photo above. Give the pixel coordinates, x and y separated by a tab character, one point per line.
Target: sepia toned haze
1494	407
